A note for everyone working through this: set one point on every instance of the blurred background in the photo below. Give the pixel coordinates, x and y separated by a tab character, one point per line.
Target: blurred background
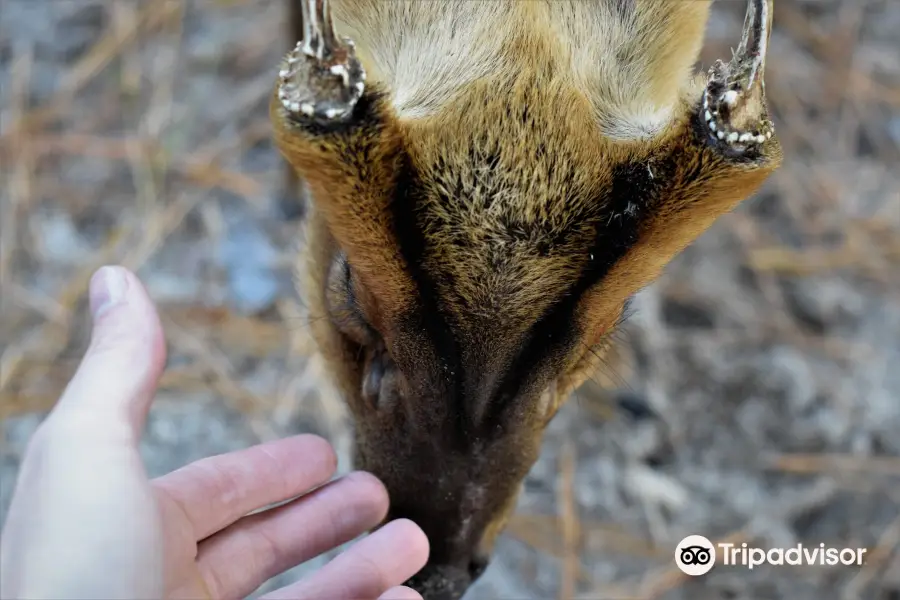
762	402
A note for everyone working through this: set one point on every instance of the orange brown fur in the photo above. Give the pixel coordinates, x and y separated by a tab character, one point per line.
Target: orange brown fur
480	222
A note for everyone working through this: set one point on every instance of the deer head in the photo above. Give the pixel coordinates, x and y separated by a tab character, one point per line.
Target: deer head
491	182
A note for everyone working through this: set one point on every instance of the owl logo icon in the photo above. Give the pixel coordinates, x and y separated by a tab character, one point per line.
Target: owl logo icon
695	555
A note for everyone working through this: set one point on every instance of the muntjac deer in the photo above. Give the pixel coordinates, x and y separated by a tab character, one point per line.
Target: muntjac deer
491	181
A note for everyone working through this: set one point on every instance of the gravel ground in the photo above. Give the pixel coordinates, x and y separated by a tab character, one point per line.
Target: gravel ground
759	404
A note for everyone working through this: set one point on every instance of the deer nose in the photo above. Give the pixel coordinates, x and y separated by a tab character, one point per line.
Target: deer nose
441	582
445	582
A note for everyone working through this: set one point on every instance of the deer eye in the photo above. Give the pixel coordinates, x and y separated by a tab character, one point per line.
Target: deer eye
344	308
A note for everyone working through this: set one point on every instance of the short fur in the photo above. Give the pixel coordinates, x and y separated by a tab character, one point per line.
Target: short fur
514	172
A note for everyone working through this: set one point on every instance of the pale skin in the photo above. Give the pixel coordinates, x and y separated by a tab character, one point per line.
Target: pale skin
86	521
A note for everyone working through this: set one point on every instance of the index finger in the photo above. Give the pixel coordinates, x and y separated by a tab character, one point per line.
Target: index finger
214	492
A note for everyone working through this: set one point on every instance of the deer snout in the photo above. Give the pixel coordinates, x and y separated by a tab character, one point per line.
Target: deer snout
459	549
448	582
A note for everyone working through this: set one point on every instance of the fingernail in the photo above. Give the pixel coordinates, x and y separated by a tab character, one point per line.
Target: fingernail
107	289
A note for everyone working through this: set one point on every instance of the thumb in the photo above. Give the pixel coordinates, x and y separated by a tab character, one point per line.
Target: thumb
83	521
117	378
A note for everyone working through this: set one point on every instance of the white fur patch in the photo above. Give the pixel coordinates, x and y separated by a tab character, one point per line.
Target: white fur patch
630	124
425	51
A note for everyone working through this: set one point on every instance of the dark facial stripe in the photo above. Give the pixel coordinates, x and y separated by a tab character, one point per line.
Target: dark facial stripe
626	203
438	352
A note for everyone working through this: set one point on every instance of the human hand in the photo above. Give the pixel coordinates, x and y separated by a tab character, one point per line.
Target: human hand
86	522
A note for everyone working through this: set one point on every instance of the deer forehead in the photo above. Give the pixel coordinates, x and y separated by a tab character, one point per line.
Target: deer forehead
510	197
631	59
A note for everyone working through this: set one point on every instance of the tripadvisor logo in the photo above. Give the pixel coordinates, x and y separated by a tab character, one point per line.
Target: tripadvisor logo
696	555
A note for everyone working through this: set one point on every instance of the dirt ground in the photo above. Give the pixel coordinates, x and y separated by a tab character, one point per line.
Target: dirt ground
763	405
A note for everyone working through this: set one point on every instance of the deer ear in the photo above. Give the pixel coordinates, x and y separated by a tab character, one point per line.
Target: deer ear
718	154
